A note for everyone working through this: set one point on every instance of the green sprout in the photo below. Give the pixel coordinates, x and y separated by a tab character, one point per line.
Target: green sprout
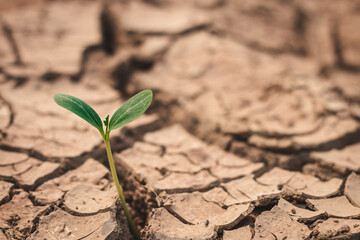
129	111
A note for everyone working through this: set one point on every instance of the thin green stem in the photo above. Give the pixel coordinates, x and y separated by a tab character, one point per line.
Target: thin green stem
119	188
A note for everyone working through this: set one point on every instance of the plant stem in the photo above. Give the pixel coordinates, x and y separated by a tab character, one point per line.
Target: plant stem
119	188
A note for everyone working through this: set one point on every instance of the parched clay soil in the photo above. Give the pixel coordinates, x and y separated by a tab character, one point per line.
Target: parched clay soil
254	131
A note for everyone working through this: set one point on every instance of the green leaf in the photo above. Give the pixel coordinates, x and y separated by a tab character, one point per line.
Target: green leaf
106	121
131	109
80	108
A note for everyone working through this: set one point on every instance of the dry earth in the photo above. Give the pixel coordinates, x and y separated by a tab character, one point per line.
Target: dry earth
254	132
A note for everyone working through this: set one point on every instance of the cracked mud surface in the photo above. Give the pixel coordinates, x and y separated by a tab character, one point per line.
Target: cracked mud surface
253	133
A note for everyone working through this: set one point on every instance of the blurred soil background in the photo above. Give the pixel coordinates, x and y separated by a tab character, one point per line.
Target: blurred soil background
254	131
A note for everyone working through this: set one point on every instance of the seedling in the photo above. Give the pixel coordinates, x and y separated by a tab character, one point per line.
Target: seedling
128	112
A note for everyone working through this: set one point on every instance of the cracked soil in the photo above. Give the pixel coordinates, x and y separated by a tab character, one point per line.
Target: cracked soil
254	131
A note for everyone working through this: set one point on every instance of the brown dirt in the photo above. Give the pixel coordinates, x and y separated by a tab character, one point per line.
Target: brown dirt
254	130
